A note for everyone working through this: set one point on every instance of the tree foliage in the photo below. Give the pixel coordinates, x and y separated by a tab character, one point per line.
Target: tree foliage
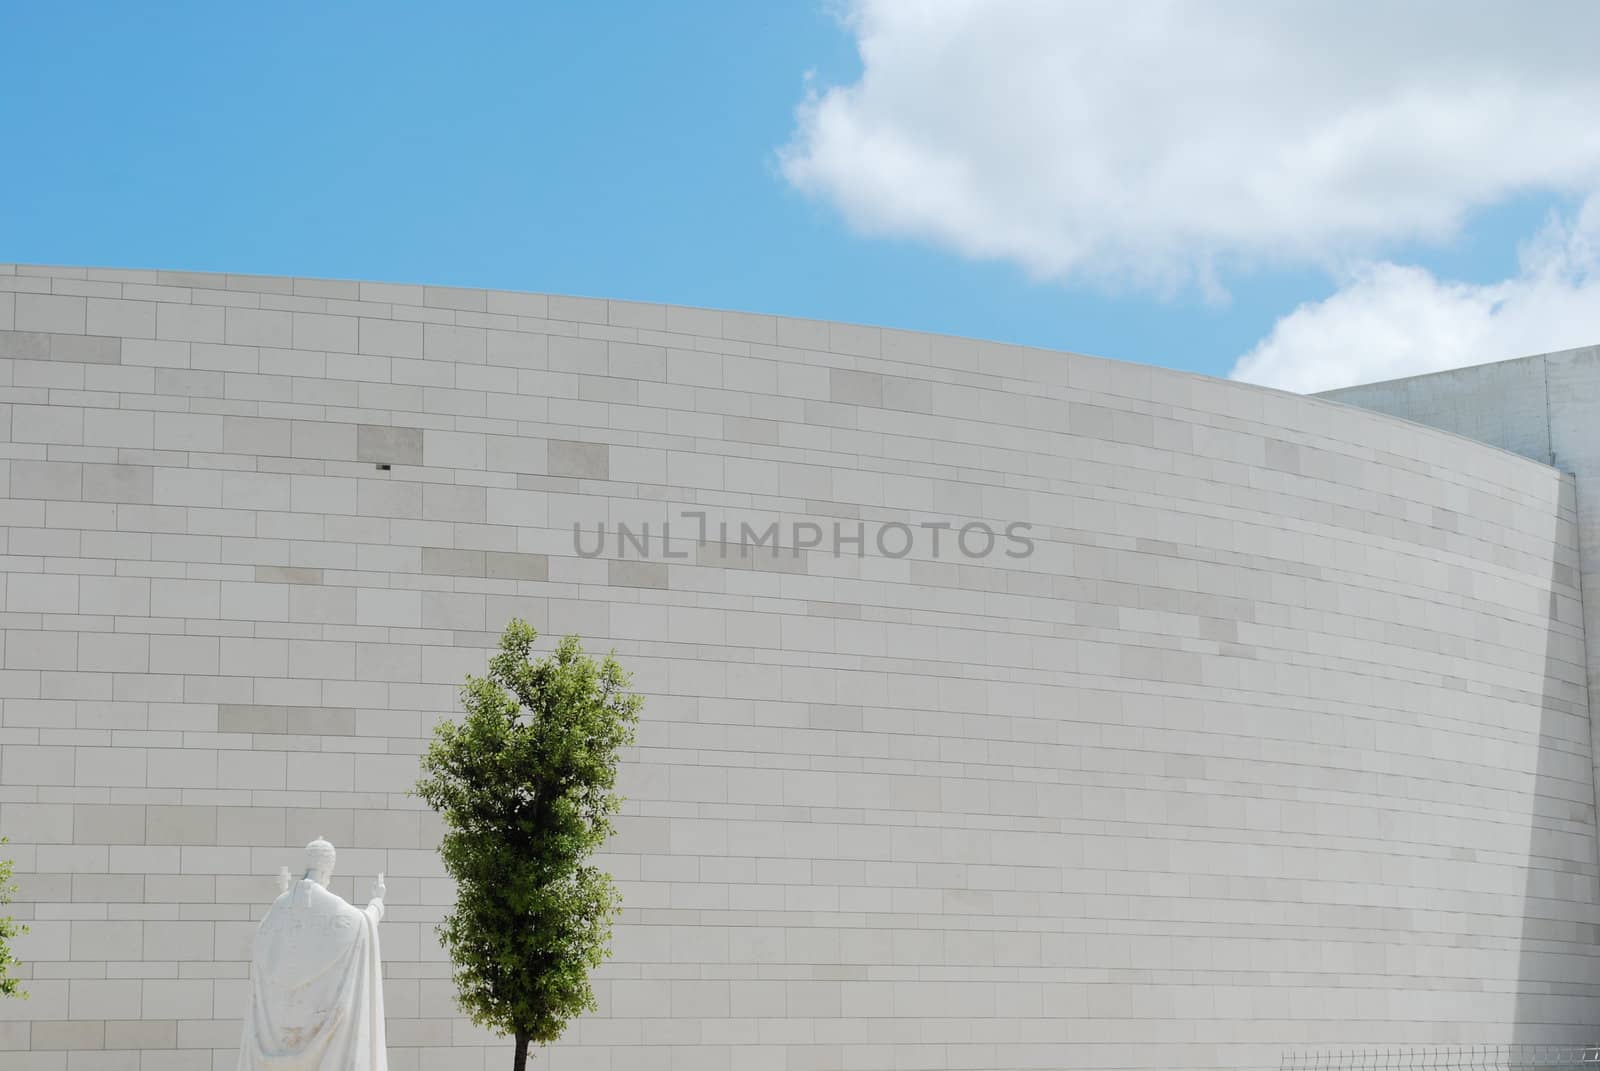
9	928
526	785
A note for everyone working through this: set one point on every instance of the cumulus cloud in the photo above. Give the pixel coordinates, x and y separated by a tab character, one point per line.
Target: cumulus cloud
1391	320
1162	142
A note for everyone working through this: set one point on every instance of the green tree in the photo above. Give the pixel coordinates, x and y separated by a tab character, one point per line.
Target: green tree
9	928
526	785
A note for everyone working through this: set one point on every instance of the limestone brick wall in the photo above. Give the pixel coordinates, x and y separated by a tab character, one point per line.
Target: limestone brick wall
1277	738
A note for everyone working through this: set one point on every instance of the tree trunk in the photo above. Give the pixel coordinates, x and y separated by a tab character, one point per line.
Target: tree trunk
521	1061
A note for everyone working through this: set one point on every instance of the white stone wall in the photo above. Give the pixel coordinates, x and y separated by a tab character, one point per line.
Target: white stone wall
1545	407
1279	737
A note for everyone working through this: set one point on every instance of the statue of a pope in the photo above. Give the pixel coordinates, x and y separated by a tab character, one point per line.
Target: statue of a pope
316	987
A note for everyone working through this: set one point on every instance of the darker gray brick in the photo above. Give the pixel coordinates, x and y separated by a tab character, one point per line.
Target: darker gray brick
250	718
45	346
319	721
855	388
1285	457
288	574
86	349
511	565
381	444
629	574
25	345
71	1035
914	395
588	461
444	561
51	480
277	720
129	484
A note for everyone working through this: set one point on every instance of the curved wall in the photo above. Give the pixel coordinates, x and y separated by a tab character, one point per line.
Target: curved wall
1278	737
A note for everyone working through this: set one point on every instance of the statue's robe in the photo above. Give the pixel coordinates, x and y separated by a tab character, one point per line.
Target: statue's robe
316	986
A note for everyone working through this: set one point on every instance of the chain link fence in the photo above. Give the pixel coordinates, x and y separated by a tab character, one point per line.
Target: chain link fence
1467	1058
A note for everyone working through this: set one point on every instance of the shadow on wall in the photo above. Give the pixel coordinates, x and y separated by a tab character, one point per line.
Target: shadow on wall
1556	987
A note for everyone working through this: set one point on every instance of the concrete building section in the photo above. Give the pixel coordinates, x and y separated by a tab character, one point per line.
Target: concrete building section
1506	404
1546	407
1278	738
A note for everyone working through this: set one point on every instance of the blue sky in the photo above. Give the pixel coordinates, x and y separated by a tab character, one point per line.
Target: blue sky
625	151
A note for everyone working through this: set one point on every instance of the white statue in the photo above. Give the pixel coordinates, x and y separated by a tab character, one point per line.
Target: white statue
316	985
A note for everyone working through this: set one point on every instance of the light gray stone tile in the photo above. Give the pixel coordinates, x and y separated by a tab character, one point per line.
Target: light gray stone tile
252	826
53	313
749	328
447	342
319	331
450	297
454	503
583	310
180	824
390	338
258	327
733	555
515	304
189	323
323	440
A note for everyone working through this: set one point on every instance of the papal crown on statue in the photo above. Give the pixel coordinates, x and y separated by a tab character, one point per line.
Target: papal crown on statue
320	857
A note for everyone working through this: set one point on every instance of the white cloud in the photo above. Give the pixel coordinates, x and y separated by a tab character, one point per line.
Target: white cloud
1161	141
1390	320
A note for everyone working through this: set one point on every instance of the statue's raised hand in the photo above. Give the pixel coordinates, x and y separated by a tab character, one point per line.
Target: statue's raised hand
379	889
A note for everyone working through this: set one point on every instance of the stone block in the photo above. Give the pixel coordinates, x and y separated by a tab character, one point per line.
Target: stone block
636	574
588	461
389	445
